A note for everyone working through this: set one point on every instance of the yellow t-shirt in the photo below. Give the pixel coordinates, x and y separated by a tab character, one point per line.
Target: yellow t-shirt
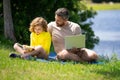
43	39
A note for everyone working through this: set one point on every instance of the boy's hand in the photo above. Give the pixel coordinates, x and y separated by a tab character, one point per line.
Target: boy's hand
27	48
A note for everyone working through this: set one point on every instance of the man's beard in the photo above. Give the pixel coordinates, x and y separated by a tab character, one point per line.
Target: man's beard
60	25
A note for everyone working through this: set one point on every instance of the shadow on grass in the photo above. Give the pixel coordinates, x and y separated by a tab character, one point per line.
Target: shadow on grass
109	70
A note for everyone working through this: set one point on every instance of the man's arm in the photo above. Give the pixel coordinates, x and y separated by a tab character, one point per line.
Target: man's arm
49	29
78	30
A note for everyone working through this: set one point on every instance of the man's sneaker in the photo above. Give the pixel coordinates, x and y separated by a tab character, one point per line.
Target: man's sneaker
13	55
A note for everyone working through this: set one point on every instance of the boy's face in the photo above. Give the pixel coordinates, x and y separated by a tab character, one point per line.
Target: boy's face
60	21
38	29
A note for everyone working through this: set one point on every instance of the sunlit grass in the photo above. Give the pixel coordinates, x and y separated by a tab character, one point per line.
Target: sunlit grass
105	6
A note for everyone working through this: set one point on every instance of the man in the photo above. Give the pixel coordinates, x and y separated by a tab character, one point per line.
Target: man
62	27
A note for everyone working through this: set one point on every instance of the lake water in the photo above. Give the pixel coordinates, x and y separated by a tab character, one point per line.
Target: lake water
107	27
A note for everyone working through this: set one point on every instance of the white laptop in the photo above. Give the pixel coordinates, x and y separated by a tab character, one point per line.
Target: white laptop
77	41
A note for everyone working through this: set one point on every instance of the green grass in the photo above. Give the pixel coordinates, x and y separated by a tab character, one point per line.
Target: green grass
19	69
115	6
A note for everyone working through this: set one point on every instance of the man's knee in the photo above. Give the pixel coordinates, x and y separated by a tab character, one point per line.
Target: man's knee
61	56
89	55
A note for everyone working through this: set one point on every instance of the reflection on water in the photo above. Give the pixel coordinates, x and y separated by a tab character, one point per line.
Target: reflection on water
108	35
107	27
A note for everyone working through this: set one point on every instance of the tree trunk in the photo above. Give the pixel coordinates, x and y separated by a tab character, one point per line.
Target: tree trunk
8	23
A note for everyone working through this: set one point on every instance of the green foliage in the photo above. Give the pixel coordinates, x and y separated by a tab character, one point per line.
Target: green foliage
103	58
106	58
114	58
24	12
5	43
1	18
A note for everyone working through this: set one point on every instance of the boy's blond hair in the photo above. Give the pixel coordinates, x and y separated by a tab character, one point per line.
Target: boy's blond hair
38	21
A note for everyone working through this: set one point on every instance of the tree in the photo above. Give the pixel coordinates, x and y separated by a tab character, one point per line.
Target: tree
8	23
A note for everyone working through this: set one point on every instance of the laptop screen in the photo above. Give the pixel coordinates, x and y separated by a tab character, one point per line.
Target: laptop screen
77	41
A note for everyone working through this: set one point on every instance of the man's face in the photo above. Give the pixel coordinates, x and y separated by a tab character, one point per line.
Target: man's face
60	21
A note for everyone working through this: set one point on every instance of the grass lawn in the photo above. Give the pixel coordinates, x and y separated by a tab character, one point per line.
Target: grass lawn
18	69
114	6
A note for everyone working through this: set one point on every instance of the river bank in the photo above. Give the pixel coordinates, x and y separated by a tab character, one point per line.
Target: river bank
104	6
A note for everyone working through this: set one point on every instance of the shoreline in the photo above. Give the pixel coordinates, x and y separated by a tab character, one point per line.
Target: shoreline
104	6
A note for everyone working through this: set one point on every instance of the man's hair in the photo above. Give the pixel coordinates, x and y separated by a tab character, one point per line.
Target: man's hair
63	12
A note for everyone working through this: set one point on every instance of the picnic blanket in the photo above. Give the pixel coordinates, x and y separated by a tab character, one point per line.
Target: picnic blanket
52	57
